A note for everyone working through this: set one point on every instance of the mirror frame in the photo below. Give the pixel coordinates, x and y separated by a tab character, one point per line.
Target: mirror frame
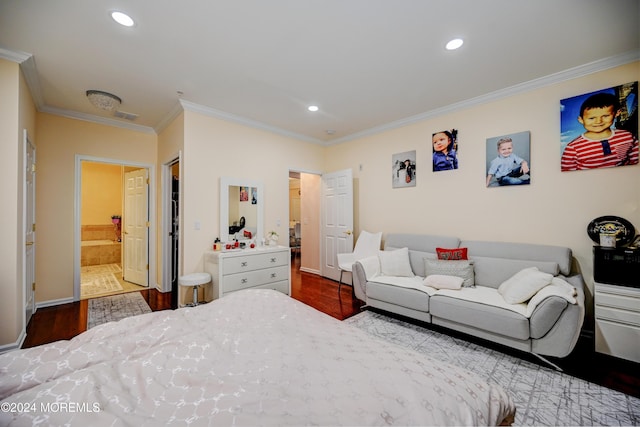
225	183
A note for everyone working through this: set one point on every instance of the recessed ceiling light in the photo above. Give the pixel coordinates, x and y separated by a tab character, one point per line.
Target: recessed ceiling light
122	18
454	44
313	108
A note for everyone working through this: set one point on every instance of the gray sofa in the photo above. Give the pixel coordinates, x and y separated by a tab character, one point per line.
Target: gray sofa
552	329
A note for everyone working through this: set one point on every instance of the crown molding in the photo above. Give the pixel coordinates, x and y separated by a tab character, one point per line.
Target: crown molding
212	112
97	119
29	70
14	55
169	118
571	73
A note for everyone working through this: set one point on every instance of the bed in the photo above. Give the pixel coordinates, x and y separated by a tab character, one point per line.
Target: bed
255	357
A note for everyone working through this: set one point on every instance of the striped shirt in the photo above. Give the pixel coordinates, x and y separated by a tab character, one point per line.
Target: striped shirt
620	149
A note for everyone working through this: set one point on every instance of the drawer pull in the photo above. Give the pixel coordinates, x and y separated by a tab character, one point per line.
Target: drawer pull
243	264
273	260
273	275
243	281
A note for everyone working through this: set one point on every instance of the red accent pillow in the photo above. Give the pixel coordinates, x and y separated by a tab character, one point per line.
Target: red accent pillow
452	254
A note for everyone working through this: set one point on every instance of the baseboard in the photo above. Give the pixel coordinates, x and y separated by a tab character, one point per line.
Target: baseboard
53	302
309	270
15	345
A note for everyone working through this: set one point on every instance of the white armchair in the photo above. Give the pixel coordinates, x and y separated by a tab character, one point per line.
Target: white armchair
368	244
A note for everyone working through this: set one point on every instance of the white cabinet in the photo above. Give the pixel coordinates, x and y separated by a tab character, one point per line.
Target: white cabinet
617	313
267	268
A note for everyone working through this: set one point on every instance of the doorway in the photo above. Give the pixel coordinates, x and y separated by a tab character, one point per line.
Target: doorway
171	228
112	228
304	215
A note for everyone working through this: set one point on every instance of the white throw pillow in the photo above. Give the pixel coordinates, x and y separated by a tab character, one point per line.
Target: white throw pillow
395	263
523	285
440	281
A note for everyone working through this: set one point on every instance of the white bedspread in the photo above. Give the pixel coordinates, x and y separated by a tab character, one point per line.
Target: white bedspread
255	357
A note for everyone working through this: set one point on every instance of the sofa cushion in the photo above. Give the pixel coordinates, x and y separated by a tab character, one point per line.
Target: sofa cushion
459	268
523	285
493	271
420	246
402	296
441	281
480	316
521	251
395	263
452	254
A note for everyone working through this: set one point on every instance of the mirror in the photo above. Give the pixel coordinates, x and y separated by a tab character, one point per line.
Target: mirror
241	209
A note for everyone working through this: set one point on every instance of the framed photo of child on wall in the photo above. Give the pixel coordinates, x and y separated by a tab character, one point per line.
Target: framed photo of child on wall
403	169
445	150
600	129
508	160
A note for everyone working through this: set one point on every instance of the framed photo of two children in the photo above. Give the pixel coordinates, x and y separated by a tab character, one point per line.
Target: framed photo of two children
600	129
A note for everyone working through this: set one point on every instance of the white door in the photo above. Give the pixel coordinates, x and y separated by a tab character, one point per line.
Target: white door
135	224
337	220
29	221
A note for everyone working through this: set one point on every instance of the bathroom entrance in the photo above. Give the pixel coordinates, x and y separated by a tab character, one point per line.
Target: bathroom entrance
114	228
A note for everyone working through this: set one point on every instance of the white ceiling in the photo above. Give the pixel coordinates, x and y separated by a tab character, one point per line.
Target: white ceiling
368	64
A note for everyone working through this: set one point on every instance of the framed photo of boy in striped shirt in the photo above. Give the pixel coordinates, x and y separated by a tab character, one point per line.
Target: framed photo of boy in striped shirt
600	129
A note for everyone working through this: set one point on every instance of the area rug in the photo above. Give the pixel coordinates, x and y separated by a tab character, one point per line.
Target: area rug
543	396
98	283
100	269
116	307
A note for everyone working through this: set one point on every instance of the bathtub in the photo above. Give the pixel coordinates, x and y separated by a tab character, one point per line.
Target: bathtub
95	252
97	242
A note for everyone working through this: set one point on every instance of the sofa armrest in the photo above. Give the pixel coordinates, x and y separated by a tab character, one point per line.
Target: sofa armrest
546	315
363	270
563	336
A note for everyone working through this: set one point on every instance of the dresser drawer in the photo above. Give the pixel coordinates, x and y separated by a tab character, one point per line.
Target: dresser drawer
282	286
250	279
617	315
617	301
618	340
235	265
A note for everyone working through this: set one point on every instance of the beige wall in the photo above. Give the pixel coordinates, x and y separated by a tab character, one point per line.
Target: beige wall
17	112
59	141
10	273
170	145
101	192
215	148
555	209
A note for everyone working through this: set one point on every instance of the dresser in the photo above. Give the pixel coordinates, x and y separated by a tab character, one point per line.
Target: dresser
617	313
260	268
616	273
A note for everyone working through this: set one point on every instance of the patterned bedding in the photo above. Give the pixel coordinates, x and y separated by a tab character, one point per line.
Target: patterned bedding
255	357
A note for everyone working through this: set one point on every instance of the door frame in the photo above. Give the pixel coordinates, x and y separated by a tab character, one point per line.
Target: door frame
77	215
166	220
28	221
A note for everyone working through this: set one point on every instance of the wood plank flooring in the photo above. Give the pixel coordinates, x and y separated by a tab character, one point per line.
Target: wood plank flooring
65	321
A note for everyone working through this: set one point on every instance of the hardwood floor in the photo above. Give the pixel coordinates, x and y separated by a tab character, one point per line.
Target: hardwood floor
65	321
